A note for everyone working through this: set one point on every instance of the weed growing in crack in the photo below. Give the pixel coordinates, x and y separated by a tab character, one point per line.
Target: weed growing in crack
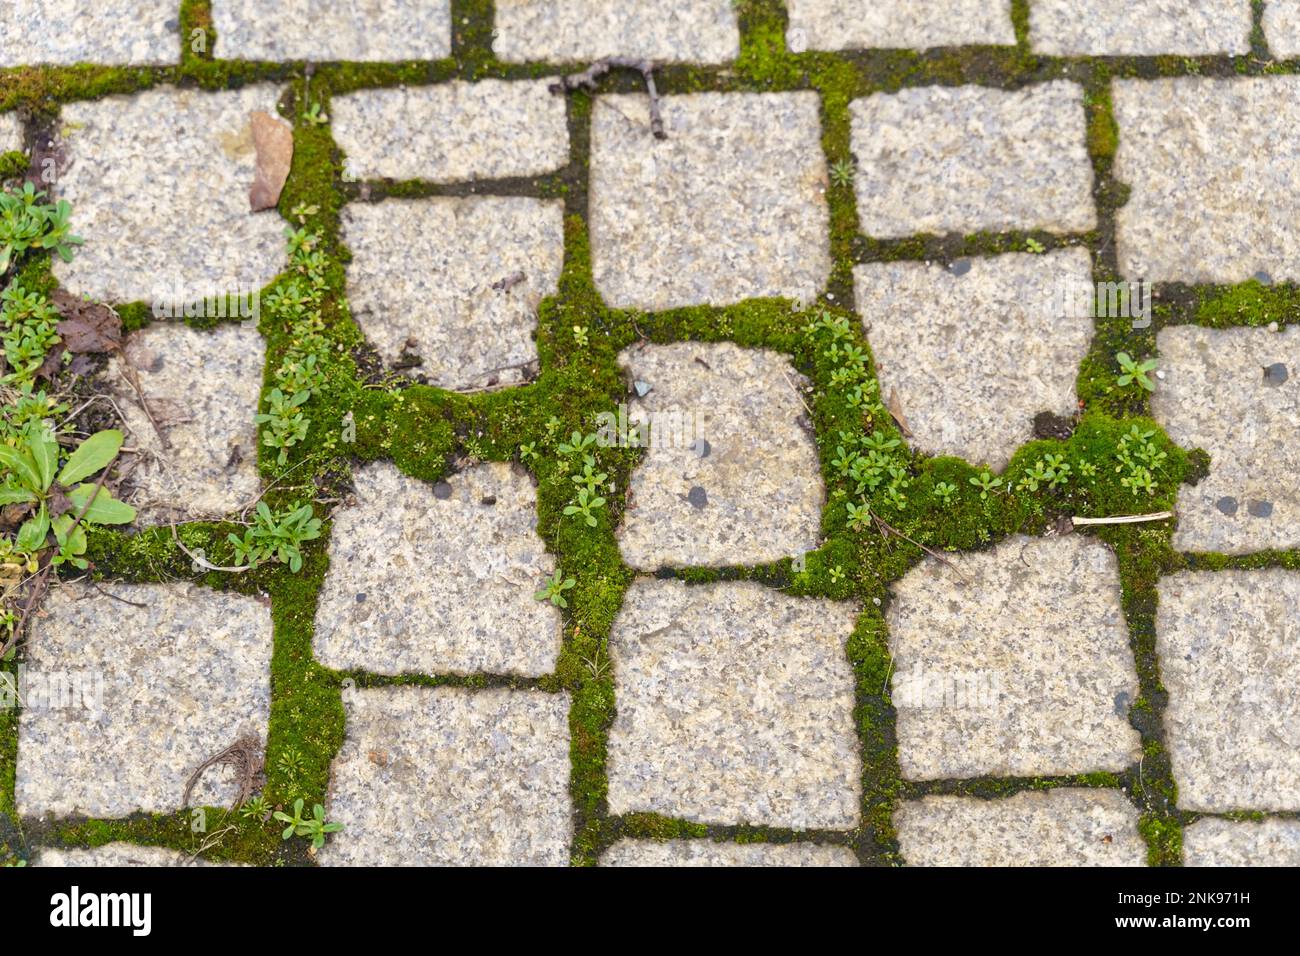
27	223
1134	371
554	590
28	330
314	826
276	536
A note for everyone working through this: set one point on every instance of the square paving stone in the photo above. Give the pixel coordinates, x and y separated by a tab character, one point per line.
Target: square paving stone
729	206
712	853
690	31
1235	393
159	184
452	132
438	578
63	32
446	776
732	475
456	281
126	695
975	354
1212	173
734	705
1035	828
1022	669
1139	27
897	24
940	159
1213	842
321	30
1229	648
1282	27
200	389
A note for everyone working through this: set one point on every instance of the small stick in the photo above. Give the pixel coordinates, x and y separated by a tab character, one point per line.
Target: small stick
586	80
887	529
1123	519
200	561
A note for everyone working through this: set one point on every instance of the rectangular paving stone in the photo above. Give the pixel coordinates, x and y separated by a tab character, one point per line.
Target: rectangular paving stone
1023	669
438	579
11	133
1213	842
1211	174
119	854
713	853
455	281
976	350
168	675
734	705
940	159
201	390
1236	394
729	206
446	776
452	132
158	183
731	475
897	24
679	31
63	32
1066	827
323	30
1229	649
1282	27
1139	27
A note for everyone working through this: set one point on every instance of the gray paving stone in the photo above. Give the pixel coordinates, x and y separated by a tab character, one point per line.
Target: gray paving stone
974	357
712	853
938	159
452	132
1024	669
1213	842
159	184
321	30
1229	648
1139	27
691	31
11	133
905	24
1282	27
201	389
119	854
423	584
456	281
729	206
62	32
1211	174
1034	828
1217	395
445	776
734	705
125	700
762	491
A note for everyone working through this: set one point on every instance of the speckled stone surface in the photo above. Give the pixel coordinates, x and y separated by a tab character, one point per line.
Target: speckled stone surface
455	281
690	31
730	206
201	389
1139	27
444	776
170	684
936	159
1229	648
762	491
1210	167
119	854
974	356
1218	394
320	30
1023	669
62	32
427	584
11	133
711	853
1282	27
1212	842
1035	828
897	24
734	705
166	207
452	132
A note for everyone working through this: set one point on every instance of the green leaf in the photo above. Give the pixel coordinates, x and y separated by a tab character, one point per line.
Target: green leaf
12	496
22	466
45	453
105	509
92	455
31	536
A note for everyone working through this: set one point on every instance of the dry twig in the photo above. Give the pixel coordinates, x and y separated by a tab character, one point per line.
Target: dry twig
586	80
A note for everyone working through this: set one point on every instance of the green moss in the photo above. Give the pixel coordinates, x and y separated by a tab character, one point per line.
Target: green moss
13	164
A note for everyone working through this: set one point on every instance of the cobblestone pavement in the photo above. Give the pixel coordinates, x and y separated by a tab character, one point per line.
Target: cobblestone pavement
716	455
